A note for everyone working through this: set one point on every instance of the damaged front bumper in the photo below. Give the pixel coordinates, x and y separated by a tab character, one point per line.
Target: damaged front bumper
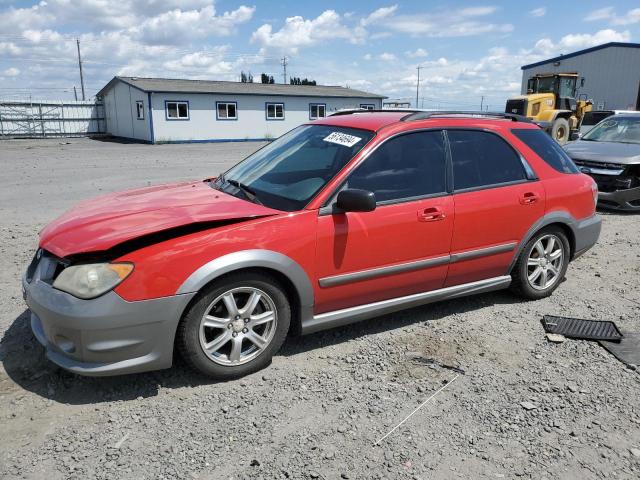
105	335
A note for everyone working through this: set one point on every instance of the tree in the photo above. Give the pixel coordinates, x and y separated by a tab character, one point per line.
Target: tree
299	81
246	77
264	78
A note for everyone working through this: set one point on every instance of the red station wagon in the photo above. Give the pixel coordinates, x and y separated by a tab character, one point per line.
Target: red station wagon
342	219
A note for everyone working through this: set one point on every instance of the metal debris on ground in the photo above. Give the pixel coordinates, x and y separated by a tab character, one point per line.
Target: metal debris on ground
419	358
581	329
416	409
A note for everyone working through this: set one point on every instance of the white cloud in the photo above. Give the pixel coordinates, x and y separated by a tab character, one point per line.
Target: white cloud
177	26
417	53
387	57
600	14
368	56
11	72
452	23
379	14
609	14
577	41
538	12
298	32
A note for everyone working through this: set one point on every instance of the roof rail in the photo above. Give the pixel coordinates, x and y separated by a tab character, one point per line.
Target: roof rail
378	110
421	115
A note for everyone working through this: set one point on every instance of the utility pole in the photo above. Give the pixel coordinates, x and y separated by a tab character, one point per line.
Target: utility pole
481	102
284	70
418	84
75	93
80	65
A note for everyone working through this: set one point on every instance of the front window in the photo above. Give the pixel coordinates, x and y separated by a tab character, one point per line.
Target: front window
289	172
275	111
177	110
546	85
617	129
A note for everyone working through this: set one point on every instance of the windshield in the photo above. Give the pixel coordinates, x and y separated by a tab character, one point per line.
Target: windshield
289	172
619	129
546	85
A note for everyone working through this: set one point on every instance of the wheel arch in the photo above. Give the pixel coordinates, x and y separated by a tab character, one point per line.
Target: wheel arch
289	274
561	219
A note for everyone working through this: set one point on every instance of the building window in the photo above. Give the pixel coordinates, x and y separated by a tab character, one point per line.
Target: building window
226	110
274	111
140	109
317	110
176	110
368	106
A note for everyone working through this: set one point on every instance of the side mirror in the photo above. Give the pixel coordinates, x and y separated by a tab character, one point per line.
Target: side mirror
355	200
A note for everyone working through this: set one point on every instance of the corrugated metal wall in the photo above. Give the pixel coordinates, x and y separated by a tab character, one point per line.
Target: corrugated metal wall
51	119
612	76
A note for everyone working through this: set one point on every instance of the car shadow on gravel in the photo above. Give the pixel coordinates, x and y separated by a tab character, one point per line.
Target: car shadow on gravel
26	365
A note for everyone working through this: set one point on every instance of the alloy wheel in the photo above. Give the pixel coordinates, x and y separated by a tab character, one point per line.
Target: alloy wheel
545	262
238	325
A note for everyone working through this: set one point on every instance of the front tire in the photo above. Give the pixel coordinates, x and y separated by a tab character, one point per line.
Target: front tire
560	131
235	325
542	264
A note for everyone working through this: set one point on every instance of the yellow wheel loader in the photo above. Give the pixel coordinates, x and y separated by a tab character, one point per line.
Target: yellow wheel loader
551	103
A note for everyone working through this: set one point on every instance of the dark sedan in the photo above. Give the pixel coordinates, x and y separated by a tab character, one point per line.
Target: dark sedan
610	153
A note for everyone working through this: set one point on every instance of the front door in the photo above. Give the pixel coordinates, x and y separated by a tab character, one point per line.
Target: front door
400	248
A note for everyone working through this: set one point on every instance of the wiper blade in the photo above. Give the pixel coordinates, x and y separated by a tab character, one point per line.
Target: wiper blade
248	191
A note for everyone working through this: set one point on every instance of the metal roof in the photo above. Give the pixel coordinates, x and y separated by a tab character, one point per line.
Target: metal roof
581	52
174	85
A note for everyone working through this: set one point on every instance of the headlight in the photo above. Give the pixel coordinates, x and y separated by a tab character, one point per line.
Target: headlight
93	279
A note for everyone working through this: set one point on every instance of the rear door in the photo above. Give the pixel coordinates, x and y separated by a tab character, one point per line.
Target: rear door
400	248
497	199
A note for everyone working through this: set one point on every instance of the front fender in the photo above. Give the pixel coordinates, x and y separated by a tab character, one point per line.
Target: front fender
252	259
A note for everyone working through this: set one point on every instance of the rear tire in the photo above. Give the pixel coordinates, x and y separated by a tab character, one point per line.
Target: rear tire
541	265
235	325
560	131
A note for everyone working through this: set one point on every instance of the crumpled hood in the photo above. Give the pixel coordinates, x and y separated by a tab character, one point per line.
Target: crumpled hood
104	222
605	152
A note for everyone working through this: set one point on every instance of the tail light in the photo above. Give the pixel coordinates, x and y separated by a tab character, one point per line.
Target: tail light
594	190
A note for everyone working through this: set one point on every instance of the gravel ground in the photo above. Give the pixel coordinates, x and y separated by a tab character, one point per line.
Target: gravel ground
523	408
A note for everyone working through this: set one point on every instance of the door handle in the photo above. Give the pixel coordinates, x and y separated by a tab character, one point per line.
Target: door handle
431	214
529	198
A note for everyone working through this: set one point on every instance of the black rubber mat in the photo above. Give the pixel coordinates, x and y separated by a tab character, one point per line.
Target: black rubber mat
627	350
583	329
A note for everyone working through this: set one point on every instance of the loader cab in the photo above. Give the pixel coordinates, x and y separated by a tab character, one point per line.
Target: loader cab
562	86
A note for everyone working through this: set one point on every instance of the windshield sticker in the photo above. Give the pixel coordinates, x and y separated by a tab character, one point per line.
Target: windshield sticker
342	139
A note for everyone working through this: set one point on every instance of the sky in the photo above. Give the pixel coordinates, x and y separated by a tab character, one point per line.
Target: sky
470	51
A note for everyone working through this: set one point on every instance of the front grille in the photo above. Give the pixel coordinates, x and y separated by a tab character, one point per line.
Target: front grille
601	165
517	106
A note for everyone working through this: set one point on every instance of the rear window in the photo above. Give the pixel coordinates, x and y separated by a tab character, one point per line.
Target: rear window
547	149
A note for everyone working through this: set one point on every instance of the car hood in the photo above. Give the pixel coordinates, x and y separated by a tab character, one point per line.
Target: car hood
605	152
104	222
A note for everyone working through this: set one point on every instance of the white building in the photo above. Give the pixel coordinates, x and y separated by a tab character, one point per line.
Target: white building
159	110
611	74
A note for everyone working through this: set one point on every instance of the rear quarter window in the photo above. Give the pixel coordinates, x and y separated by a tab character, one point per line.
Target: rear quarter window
547	149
